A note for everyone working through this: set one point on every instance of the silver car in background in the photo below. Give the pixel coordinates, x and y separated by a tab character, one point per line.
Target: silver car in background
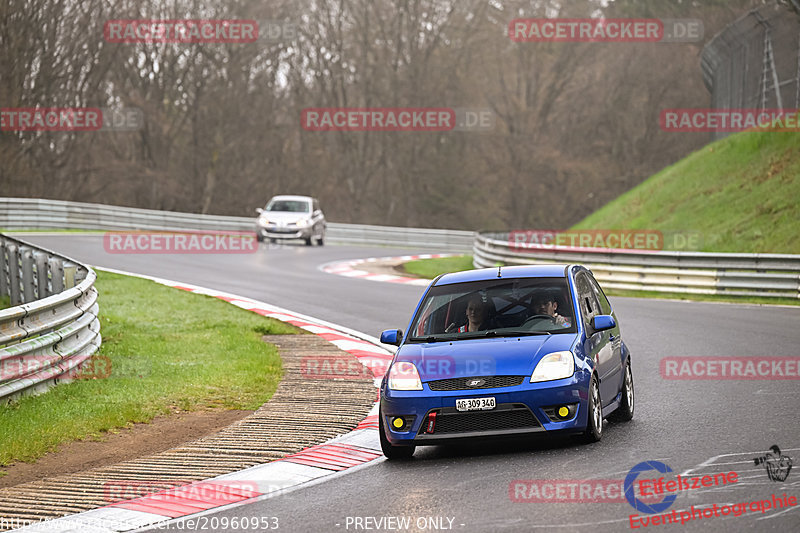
291	217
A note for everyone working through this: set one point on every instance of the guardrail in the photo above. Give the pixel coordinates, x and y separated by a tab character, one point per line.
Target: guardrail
32	213
764	275
52	328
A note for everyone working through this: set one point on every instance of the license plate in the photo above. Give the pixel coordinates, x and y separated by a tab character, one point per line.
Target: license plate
475	404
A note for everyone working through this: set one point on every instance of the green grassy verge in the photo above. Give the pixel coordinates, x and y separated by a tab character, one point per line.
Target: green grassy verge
5	301
169	350
739	193
430	268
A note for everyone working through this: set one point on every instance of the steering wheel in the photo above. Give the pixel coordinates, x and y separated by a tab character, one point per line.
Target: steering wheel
552	318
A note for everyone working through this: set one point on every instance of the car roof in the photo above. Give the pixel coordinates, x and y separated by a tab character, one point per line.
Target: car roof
526	271
291	197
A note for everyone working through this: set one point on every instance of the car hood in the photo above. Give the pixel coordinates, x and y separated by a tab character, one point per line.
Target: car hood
282	216
499	356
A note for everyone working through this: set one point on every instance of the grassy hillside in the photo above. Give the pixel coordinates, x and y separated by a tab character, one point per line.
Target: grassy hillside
742	194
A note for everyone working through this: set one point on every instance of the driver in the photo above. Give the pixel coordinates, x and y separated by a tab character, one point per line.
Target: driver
546	304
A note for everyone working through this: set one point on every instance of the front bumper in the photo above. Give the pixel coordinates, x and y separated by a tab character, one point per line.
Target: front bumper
277	232
521	410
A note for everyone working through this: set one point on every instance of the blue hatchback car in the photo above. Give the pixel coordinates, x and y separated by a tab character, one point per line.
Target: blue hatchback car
505	352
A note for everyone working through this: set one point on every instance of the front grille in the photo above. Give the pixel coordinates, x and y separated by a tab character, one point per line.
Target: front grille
490	382
513	418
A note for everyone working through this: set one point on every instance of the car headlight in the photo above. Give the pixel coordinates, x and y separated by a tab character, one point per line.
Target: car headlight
556	365
404	376
303	222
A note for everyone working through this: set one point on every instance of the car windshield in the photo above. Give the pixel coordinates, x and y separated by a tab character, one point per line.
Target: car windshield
289	206
494	308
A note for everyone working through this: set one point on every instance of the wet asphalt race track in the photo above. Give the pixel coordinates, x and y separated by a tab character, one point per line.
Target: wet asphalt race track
699	427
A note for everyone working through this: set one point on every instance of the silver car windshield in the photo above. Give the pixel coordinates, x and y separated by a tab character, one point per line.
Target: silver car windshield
288	206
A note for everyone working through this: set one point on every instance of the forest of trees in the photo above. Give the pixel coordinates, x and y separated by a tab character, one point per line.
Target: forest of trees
575	124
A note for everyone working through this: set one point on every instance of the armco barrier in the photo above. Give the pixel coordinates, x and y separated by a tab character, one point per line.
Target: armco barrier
764	275
32	213
52	327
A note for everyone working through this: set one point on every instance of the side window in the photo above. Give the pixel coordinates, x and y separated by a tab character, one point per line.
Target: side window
588	301
605	307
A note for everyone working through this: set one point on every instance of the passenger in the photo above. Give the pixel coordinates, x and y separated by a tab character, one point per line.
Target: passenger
478	318
546	304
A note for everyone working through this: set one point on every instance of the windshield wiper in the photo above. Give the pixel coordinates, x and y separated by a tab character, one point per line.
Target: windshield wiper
429	338
496	333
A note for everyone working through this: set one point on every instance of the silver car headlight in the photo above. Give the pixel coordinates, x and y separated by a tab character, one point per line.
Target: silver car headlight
556	365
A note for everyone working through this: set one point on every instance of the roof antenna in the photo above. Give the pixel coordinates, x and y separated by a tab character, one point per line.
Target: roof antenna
498	271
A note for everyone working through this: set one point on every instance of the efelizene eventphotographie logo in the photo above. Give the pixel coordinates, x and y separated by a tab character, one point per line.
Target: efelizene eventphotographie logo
656	513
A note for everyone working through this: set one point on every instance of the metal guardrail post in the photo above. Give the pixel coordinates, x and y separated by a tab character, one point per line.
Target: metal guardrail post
13	274
56	268
3	269
40	262
70	270
28	279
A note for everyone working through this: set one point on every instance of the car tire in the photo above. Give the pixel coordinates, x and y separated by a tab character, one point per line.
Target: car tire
594	422
625	410
273	241
393	453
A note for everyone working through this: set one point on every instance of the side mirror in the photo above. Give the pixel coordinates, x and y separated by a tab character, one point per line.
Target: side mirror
392	336
603	322
259	210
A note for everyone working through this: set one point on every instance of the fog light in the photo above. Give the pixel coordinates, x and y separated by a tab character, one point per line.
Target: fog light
398	422
563	411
